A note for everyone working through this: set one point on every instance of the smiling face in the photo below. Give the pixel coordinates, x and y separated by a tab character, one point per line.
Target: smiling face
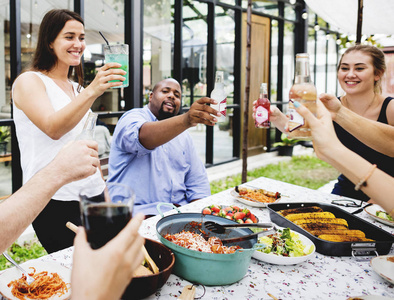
356	73
70	43
165	99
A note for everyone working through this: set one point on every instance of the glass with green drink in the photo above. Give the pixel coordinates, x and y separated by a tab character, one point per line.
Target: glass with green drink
118	53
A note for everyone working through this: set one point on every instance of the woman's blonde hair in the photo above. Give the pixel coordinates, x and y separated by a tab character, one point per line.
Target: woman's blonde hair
378	62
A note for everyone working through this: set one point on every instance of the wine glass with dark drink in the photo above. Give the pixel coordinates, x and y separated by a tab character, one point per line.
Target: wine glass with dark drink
106	214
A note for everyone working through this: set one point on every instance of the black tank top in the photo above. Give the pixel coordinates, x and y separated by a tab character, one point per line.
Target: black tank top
385	163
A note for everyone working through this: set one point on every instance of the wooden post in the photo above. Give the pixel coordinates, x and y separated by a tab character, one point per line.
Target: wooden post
359	21
247	91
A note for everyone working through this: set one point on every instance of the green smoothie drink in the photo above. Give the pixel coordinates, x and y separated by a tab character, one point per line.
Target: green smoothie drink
119	54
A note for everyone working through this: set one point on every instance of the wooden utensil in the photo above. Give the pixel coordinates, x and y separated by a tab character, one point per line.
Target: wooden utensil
149	260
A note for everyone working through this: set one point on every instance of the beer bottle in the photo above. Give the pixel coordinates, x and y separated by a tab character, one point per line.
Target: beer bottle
88	128
303	91
262	109
220	95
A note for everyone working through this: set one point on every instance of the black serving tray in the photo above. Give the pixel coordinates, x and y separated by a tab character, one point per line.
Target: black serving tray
382	243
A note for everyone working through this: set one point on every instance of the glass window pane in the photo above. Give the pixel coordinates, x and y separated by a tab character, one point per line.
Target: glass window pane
5	163
232	2
157	43
266	7
194	84
106	16
225	37
311	51
320	62
274	61
311	17
194	54
32	12
288	60
290	13
332	65
5	66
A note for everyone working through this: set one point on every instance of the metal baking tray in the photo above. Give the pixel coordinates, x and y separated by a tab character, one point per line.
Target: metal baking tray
381	245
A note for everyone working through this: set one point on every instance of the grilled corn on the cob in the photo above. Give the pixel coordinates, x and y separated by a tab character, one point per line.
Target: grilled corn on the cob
299	210
353	232
322	226
314	215
326	220
342	238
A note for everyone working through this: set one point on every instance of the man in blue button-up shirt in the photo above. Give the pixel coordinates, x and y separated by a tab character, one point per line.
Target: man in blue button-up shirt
152	152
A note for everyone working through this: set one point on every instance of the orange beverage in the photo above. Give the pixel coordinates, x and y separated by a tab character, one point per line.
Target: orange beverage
303	91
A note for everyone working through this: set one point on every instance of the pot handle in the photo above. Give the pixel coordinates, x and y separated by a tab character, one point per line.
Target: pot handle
158	206
256	246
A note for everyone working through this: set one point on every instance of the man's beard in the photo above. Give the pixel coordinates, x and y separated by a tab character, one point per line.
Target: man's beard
165	114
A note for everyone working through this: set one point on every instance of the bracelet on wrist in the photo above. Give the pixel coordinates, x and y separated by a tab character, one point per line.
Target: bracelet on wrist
363	181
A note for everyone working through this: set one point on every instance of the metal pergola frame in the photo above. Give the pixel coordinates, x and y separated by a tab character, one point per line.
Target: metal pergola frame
134	36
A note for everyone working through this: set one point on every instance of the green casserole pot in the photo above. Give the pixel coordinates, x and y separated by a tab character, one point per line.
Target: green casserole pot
206	268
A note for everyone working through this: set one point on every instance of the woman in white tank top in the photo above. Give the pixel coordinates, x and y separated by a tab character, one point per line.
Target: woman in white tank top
50	110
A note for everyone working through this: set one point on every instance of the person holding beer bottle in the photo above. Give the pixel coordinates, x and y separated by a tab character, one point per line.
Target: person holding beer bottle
153	154
363	117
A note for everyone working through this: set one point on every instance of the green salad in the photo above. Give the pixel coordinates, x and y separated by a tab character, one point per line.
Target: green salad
384	215
285	243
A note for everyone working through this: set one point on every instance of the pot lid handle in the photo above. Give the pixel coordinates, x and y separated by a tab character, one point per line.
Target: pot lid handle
158	207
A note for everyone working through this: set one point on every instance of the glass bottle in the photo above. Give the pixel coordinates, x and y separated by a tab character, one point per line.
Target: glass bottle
303	91
89	128
262	108
220	95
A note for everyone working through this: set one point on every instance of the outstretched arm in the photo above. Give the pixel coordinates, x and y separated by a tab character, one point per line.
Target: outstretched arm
29	93
154	134
376	135
75	161
328	148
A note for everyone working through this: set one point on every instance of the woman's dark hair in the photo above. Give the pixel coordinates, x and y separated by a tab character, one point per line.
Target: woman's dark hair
44	58
378	62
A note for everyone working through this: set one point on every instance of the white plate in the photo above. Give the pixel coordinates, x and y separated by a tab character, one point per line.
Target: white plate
249	202
284	260
51	267
384	266
371	211
370	297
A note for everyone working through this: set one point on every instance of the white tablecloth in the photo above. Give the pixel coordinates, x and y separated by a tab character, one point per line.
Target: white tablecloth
322	277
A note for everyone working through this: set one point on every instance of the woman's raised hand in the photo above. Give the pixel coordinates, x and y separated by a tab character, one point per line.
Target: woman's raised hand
108	72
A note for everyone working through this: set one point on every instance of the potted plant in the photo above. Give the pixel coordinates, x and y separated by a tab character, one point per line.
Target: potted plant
285	147
5	135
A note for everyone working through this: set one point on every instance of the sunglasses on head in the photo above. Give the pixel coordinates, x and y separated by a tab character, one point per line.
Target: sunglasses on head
346	203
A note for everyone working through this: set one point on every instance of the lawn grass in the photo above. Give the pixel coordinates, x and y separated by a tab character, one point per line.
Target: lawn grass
307	171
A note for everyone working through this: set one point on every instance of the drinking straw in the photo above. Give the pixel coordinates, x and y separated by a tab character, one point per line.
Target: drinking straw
104	38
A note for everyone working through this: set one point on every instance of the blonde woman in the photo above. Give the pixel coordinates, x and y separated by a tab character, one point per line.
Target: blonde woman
363	117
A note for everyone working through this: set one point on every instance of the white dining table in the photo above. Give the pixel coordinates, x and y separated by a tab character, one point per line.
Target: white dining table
321	277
